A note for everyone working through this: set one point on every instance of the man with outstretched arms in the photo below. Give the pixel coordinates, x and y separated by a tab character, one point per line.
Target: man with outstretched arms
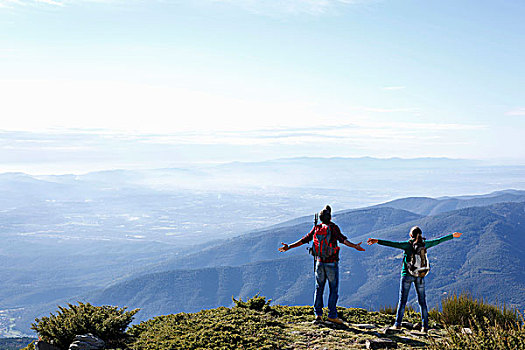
326	253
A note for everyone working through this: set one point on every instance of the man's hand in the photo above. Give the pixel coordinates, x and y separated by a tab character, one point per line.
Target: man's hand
457	234
355	246
358	247
372	241
284	248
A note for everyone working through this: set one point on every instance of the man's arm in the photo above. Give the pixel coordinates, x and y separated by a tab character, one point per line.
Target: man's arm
300	242
352	245
342	238
286	247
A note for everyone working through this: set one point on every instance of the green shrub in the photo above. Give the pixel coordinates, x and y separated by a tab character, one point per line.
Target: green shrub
221	328
467	311
106	322
486	336
388	310
257	303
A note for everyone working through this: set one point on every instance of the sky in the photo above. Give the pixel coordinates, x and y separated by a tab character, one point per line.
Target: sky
88	84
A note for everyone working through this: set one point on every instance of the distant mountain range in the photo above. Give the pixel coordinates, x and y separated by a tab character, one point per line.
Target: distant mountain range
65	237
488	260
262	245
432	206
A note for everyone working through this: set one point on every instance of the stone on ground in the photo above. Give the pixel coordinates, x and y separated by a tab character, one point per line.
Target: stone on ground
365	326
466	331
87	342
380	343
407	325
392	331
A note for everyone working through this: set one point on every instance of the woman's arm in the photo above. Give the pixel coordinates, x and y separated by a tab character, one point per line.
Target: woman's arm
433	242
400	245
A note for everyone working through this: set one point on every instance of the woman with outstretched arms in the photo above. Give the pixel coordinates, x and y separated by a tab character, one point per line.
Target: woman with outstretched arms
415	267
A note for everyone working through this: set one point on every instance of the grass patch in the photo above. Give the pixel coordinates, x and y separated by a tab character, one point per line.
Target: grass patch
221	328
391	310
486	336
251	324
467	311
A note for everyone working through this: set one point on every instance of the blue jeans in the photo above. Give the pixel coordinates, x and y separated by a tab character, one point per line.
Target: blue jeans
404	289
323	272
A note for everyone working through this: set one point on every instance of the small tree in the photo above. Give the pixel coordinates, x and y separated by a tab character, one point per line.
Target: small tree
106	322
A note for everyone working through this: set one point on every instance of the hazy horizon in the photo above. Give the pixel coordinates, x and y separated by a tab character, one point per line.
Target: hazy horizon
83	168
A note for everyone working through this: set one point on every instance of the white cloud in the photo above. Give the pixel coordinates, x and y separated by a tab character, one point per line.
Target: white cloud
389	110
361	132
50	2
6	52
42	105
118	119
38	105
517	112
274	7
393	88
264	7
81	150
12	3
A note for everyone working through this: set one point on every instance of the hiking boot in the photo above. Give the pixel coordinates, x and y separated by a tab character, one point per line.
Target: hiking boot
393	330
336	320
318	319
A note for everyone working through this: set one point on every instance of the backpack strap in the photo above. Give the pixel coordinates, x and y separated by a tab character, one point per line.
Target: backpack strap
329	235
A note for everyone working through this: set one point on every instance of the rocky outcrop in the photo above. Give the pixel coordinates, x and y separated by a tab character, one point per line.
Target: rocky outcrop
42	345
87	342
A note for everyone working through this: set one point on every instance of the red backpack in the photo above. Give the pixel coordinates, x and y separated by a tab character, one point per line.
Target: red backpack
323	246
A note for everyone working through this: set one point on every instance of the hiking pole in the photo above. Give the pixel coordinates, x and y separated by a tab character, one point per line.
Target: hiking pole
316	219
310	249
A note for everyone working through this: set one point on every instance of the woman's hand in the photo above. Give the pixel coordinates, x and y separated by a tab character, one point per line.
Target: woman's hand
284	248
457	234
372	241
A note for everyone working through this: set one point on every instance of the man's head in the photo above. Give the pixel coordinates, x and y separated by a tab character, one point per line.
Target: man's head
325	215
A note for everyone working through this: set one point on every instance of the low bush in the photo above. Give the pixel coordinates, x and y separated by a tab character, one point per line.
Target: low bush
222	329
486	336
257	303
106	322
467	311
391	310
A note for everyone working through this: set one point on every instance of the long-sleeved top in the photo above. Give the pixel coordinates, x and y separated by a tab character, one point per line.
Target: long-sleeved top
334	238
409	250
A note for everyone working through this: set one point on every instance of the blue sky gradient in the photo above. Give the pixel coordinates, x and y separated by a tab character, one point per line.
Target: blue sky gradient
363	78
